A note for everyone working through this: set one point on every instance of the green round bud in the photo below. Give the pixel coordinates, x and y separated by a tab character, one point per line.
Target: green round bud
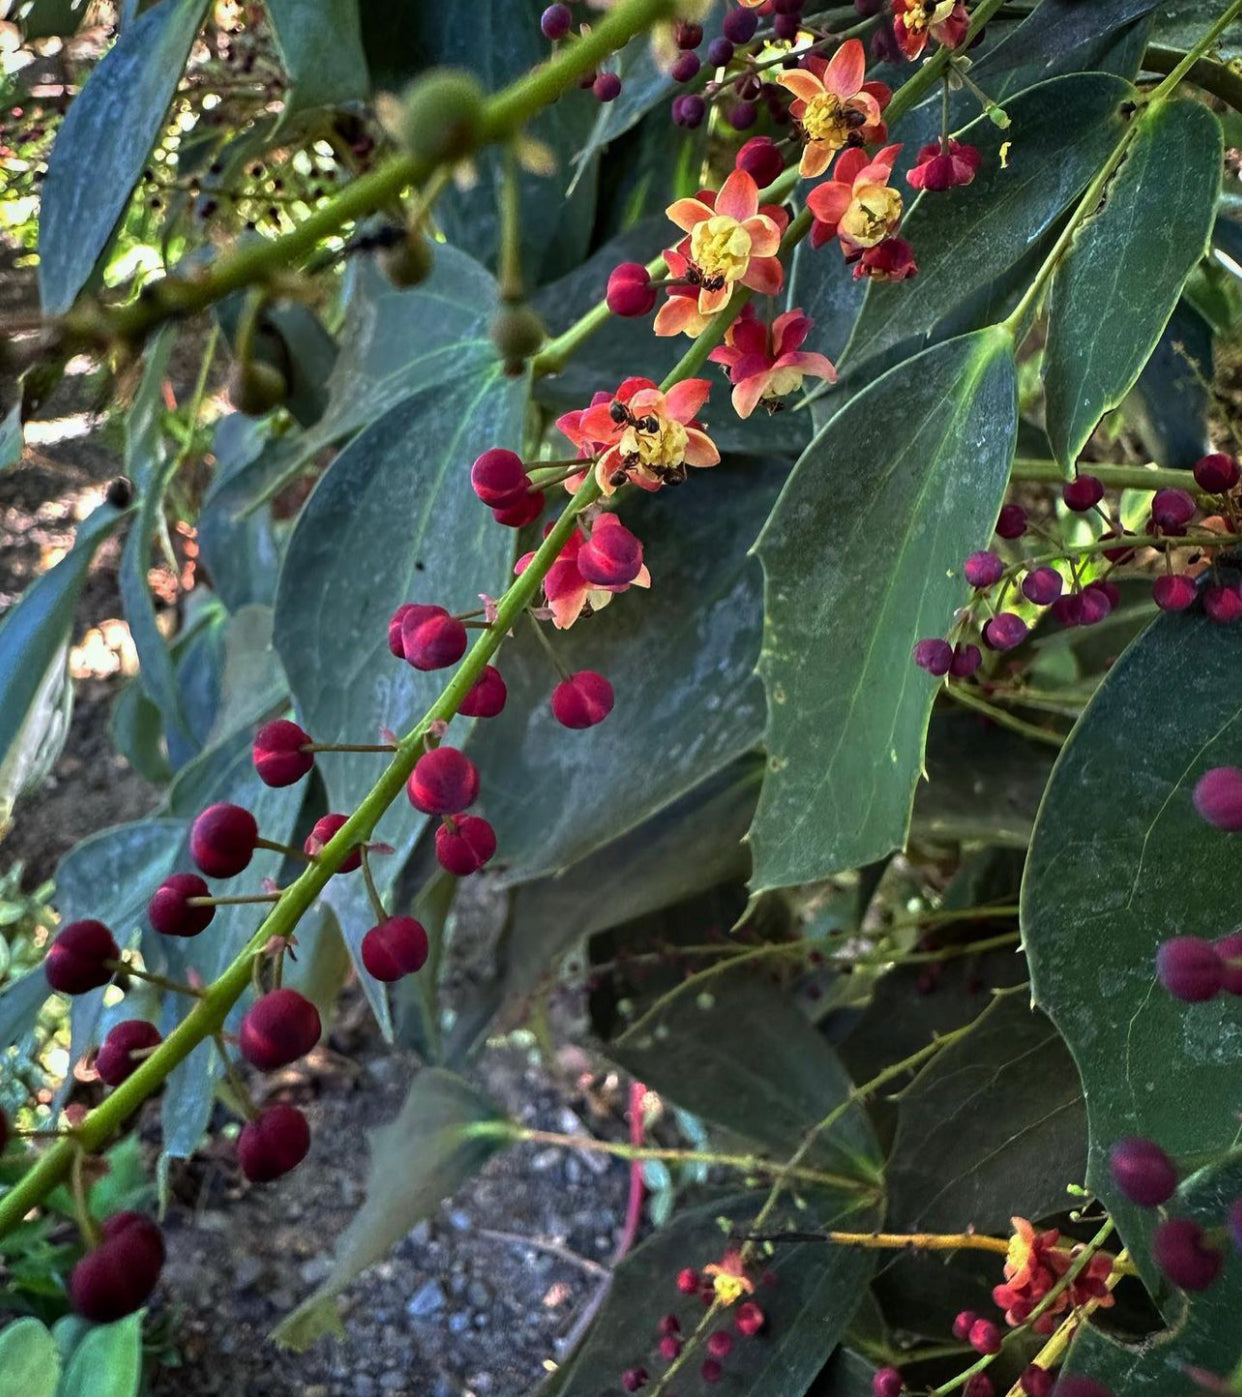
517	332
256	388
408	262
443	116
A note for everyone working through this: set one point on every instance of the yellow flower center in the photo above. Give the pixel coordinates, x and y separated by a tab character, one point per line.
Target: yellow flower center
729	1289
720	249
825	121
665	447
928	13
783	382
874	212
1018	1256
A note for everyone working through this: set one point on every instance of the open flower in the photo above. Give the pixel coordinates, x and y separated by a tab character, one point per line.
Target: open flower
891	260
644	435
766	363
915	21
1034	1264
680	314
939	168
729	240
568	594
858	206
833	106
729	1279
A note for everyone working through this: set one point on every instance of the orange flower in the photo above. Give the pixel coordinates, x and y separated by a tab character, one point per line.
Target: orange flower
1034	1264
915	21
645	435
729	1278
767	362
833	106
730	241
858	206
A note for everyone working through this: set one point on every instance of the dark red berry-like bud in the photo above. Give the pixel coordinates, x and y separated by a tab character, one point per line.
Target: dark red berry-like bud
964	1323
1123	554
556	21
887	1382
786	26
1011	522
394	629
223	840
670	1324
499	478
966	659
582	700
278	1028
984	1336
712	1370
1042	586
761	159
749	1319
1036	1381
1223	604
670	1347
720	55
1142	1171
934	655
1173	592
1218	797
1094	604
431	638
444	782
634	1378
76	959
720	1343
1229	949
1180	1248
463	850
395	948
116	1278
630	292
607	87
525	511
983	569
1190	969
487	698
612	556
979	1386
280	757
688	1281
272	1144
685	67
115	1060
689	110
1216	473
169	910
1172	510
1004	631
1082	493
742	115
1068	609
740	25
322	831
687	35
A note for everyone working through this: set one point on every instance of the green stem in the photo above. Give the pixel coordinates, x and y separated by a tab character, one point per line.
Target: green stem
1192	56
1114	477
510	277
969	699
1216	78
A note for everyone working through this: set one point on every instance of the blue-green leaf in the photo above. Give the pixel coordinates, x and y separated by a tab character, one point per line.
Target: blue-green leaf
321	44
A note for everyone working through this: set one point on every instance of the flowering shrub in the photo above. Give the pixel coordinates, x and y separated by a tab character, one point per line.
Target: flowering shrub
961	1134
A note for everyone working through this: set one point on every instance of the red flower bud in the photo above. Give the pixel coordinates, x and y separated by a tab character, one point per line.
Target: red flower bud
711	1371
223	840
114	1062
431	638
607	87
966	659
1004	631
556	21
983	570
444	782
964	1323
582	700
1082	493
1181	1250
322	831
395	948
1174	591
76	958
1218	797
633	1378
670	1347
985	1337
887	1382
278	1028
1011	522
499	478
934	655
1229	949
487	698
394	629
688	1281
272	1144
116	1278
749	1319
1143	1172
525	511
761	159
169	910
280	757
630	292
1190	969
1172	510
720	1343
1042	586
1216	473
1223	604
465	849
1036	1381
612	556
